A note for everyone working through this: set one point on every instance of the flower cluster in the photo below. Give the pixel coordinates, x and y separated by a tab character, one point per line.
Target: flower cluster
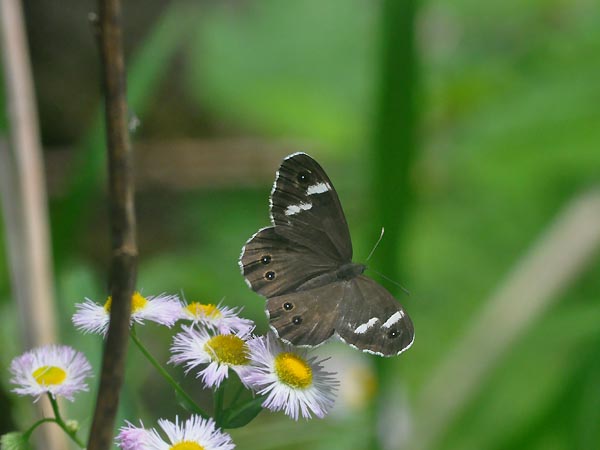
291	381
214	342
217	341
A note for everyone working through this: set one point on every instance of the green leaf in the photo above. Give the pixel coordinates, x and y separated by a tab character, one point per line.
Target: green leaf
243	414
14	441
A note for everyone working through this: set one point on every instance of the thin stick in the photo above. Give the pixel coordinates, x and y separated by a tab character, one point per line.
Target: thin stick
33	277
122	224
24	202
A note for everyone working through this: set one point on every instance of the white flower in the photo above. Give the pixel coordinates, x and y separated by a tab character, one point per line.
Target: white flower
56	369
195	433
219	352
94	318
292	382
217	317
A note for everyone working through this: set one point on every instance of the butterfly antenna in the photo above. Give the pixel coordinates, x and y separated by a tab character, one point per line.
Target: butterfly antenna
406	291
376	243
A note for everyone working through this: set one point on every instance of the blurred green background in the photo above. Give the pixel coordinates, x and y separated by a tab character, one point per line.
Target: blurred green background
465	128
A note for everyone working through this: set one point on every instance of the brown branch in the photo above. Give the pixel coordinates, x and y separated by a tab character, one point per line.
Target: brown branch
122	225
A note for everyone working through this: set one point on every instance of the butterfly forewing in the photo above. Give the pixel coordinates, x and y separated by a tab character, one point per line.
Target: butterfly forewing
305	208
273	265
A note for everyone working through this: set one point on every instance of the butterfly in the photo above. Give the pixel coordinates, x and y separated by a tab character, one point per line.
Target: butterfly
303	265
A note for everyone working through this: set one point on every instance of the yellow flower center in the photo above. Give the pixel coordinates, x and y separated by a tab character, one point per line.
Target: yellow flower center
47	375
292	370
186	445
228	349
137	302
199	310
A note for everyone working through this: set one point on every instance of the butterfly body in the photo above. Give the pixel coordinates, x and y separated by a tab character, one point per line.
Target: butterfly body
303	265
345	272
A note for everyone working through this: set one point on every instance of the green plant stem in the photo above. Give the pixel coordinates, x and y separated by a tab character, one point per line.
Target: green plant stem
57	419
394	152
32	428
61	423
219	397
165	374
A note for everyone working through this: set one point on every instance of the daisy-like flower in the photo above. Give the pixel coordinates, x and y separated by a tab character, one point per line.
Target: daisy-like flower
195	433
217	317
94	318
219	352
56	369
292	381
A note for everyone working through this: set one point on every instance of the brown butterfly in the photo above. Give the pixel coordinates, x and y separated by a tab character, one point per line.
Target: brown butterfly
303	265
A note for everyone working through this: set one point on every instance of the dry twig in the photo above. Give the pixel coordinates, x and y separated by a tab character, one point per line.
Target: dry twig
122	224
24	203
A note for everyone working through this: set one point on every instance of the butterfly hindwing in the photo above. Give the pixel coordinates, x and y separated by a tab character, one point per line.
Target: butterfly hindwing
362	313
372	320
305	208
305	317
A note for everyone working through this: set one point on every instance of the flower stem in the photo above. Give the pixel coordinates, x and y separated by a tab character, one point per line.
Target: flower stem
174	384
60	422
27	434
